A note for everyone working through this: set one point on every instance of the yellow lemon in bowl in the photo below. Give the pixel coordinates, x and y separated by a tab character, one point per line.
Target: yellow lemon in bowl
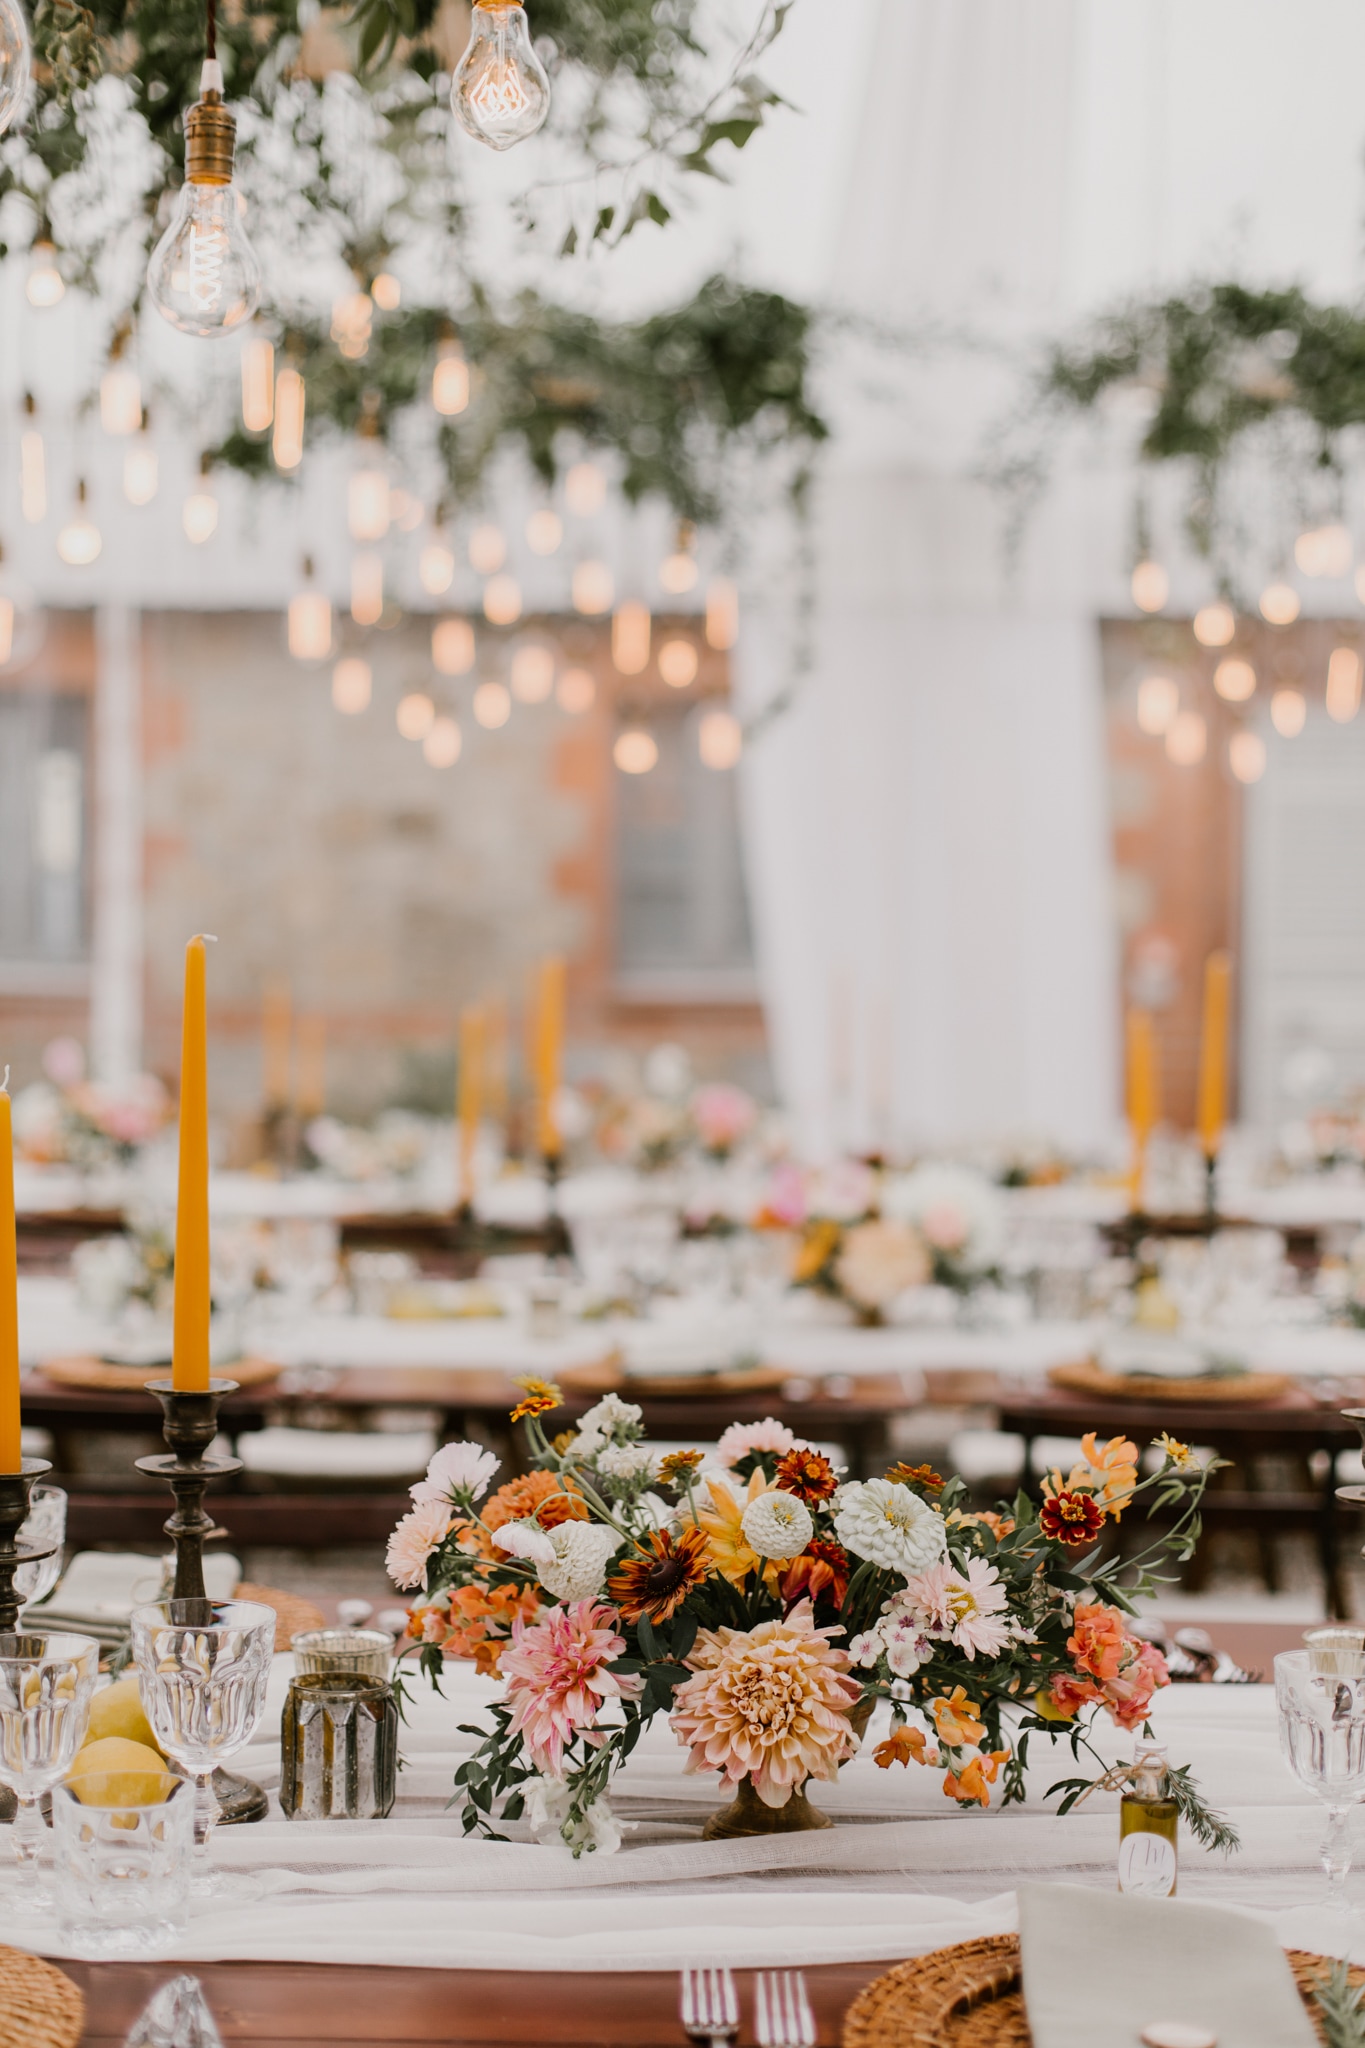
116	1772
117	1710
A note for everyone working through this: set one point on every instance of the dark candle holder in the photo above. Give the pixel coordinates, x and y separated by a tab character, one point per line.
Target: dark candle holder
189	1425
15	1489
558	1243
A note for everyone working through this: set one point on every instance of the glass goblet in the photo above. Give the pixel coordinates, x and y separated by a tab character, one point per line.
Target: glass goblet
1322	1735
203	1667
44	1525
46	1683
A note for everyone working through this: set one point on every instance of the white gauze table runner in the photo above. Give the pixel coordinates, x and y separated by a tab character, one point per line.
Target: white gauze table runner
904	1872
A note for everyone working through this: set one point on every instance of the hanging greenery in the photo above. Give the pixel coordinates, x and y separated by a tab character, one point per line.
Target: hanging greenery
1226	371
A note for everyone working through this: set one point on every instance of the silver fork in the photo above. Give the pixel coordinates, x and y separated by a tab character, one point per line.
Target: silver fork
782	2014
709	2006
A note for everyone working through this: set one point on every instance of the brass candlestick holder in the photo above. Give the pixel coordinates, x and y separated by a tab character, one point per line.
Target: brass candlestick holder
15	1489
189	1425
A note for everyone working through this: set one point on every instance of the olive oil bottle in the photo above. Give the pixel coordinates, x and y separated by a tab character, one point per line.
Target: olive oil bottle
1148	1822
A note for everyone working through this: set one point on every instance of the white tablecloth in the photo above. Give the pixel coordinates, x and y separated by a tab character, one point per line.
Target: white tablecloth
904	1872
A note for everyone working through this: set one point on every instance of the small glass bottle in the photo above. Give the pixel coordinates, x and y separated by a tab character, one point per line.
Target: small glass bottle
1148	1821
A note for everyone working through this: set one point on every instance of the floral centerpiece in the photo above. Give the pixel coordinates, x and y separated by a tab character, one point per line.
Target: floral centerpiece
765	1608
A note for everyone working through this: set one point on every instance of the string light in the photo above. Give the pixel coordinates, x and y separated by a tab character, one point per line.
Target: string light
1343	684
352	318
140	470
406	511
722	614
290	398
500	93
199	515
120	399
1157	703
22	623
636	751
32	467
585	489
387	292
442	744
544	531
1150	585
532	673
203	276
720	739
367	589
258	384
16	60
309	620
79	541
630	634
502	600
452	647
352	685
1186	739
575	692
492	705
1324	550
44	285
487	549
416	715
1246	756
1215	624
435	568
678	663
1280	604
368	511
678	572
1235	680
1288	711
450	381
593	589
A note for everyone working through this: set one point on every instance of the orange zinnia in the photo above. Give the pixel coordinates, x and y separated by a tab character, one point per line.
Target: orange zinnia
916	1475
656	1580
807	1473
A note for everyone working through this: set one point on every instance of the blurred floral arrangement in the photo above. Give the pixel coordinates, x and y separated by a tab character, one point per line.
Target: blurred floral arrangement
68	1120
766	1609
869	1237
395	1146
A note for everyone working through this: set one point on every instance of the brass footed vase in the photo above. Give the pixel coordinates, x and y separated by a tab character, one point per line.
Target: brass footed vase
748	1815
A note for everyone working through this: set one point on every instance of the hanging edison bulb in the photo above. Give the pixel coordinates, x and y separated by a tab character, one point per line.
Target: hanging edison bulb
32	466
23	623
500	93
203	276
15	60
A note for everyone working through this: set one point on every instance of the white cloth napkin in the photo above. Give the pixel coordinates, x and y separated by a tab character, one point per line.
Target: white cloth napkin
1099	1967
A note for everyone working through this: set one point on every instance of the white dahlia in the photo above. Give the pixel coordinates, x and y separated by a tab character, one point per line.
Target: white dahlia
889	1525
777	1525
579	1566
879	1261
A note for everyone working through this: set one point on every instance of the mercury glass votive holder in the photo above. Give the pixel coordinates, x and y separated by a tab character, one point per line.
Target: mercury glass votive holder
343	1652
338	1748
1336	1652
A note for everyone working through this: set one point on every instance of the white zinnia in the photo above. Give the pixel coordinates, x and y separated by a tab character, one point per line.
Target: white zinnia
580	1560
525	1539
457	1471
777	1525
889	1525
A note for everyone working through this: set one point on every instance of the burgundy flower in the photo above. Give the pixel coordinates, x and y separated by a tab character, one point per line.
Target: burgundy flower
1071	1518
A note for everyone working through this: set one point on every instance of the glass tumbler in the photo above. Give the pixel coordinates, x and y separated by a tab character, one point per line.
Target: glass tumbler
1322	1735
46	1683
121	1865
45	1523
203	1667
354	1652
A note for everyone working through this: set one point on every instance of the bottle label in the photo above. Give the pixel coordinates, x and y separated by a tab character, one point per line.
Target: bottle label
1147	1865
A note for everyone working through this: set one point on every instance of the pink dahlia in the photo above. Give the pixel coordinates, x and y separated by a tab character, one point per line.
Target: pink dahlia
964	1605
742	1439
770	1703
557	1677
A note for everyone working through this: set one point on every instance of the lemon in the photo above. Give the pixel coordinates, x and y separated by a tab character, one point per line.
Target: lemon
118	1711
116	1772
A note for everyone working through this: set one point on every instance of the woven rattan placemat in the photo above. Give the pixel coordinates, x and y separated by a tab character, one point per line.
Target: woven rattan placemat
39	2007
101	1376
1233	1389
969	1996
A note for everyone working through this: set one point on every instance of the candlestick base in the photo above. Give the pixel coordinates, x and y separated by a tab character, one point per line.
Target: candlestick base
189	1425
15	1489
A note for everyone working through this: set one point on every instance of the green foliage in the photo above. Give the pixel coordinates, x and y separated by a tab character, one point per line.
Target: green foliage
1340	2004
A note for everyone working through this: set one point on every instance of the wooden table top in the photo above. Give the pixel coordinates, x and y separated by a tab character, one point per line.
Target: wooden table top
314	2005
1298	1412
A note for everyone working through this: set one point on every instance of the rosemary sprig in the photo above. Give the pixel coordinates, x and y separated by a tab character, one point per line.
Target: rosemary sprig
1204	1823
1340	2004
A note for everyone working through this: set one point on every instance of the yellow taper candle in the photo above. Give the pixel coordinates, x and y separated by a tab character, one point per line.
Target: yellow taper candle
1213	1053
469	1094
11	1455
549	1051
1144	1094
190	1349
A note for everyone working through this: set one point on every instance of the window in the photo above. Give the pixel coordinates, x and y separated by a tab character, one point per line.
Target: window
682	917
42	827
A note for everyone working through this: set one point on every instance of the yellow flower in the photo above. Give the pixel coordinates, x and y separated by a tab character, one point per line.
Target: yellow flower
1110	1473
820	1241
722	1524
538	1397
1179	1454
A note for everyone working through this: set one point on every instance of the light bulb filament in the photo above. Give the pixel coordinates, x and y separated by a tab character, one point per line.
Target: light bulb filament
208	250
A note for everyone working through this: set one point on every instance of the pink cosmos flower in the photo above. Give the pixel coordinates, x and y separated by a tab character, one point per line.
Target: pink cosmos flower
963	1604
743	1437
723	1114
413	1541
945	1226
557	1677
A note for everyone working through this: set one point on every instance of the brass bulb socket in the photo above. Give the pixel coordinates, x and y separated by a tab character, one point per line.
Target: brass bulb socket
210	140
